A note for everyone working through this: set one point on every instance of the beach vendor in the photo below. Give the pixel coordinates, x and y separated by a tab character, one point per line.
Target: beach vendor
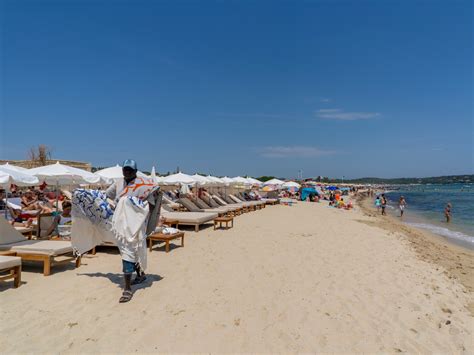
130	228
124	215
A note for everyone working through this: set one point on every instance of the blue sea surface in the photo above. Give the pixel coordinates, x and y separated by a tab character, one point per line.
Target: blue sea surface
425	209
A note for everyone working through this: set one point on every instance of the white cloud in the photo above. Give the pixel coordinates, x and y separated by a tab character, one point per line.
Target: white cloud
325	99
338	114
293	152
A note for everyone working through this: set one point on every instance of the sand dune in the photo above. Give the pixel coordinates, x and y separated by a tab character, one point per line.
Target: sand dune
286	279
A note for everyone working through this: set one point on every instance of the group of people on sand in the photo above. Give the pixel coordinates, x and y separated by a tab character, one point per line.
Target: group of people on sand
336	200
35	202
381	204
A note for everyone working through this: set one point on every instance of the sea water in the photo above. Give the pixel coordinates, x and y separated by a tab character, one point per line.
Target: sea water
425	209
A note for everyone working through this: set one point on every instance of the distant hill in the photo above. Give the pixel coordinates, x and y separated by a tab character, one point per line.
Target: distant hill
450	179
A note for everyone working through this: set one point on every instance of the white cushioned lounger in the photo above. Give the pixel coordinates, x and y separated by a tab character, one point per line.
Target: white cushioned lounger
190	218
35	250
12	265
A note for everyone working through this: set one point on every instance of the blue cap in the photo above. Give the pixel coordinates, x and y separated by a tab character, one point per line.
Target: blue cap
130	163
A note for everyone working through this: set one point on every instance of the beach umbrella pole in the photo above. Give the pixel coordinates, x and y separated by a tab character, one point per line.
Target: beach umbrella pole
7	189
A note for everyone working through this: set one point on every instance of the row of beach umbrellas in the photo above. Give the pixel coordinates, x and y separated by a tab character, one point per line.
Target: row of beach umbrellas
63	175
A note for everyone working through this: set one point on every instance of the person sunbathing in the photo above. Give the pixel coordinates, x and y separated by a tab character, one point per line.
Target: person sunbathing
29	201
62	219
19	219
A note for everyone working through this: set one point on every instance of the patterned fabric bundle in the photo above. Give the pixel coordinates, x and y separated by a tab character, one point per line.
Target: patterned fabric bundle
92	220
93	205
95	222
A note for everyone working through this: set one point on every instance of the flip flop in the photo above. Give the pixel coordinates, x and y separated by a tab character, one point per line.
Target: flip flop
138	280
126	296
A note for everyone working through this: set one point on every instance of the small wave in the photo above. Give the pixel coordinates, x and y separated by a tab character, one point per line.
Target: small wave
445	232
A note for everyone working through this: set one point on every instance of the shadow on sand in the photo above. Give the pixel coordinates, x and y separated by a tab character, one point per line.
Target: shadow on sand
118	279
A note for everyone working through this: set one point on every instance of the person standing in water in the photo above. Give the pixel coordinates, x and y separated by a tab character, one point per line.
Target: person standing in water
402	204
447	212
383	204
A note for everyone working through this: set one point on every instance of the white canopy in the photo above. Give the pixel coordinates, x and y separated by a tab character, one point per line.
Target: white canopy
239	180
59	174
254	181
16	168
217	181
10	176
273	182
115	172
290	184
202	180
227	180
178	179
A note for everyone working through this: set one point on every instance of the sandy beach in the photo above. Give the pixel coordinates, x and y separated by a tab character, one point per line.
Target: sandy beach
306	278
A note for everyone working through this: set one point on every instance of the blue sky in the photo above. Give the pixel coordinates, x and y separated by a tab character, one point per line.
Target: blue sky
353	88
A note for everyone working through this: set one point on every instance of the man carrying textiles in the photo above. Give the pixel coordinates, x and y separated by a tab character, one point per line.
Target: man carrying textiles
135	215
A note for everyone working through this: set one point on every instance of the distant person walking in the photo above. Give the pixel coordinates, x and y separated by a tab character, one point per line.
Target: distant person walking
383	204
402	204
447	212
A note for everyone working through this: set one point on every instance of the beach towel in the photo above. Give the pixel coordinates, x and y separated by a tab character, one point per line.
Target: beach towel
129	226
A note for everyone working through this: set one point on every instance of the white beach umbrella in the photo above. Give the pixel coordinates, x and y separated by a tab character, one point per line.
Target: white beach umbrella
254	181
60	175
178	179
227	180
202	180
153	175
273	182
217	181
288	184
115	173
14	167
63	175
241	181
10	176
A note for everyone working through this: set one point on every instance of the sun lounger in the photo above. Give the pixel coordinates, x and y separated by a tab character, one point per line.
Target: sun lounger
11	265
49	252
237	200
195	219
45	221
167	201
243	207
216	206
191	207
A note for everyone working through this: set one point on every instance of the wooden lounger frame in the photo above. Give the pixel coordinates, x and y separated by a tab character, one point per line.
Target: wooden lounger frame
14	273
49	260
195	224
